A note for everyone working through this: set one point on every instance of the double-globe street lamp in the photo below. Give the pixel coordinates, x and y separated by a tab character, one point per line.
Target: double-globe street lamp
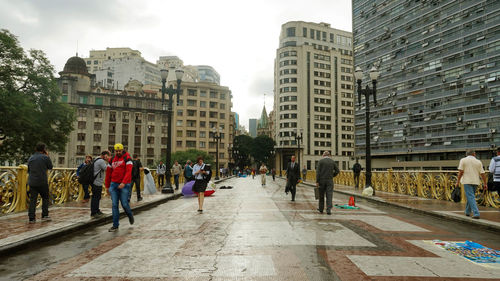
358	75
217	135
298	138
168	108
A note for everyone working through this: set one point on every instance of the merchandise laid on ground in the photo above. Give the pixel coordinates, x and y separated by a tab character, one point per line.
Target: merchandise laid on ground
254	232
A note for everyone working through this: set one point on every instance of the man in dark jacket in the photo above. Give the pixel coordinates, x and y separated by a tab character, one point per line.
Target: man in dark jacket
118	178
356	169
38	164
292	176
327	170
136	177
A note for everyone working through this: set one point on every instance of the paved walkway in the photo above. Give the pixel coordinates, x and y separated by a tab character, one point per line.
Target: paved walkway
252	232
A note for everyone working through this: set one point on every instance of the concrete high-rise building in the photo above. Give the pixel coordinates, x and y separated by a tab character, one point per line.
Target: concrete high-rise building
208	74
313	94
439	89
252	127
134	117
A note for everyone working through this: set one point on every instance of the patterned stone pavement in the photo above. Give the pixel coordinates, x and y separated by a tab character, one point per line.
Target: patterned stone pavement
252	232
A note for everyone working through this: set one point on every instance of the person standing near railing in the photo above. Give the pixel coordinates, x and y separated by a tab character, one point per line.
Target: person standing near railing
495	171
176	171
356	169
38	164
160	171
85	186
136	177
469	171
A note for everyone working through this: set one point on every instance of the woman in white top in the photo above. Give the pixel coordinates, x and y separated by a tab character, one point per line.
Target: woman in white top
200	184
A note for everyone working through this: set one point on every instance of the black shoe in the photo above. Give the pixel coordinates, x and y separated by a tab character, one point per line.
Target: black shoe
113	229
328	212
31	221
46	218
176	188
293	200
467	215
131	219
200	211
320	211
139	199
475	217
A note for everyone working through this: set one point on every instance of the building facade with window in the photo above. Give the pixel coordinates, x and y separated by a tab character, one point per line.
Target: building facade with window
134	117
439	91
313	94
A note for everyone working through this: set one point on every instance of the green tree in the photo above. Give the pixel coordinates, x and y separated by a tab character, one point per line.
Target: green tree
30	102
243	147
261	149
190	154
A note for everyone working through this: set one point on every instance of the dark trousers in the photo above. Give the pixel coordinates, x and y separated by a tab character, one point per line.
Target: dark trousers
274	177
161	180
95	199
356	180
86	191
325	188
293	189
176	180
137	183
43	190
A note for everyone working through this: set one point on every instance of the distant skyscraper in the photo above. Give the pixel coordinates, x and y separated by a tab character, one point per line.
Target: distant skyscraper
439	88
314	94
252	127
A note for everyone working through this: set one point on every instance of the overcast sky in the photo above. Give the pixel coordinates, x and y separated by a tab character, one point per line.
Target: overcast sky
238	38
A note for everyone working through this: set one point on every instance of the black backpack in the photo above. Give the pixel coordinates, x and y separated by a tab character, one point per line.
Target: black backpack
207	177
87	173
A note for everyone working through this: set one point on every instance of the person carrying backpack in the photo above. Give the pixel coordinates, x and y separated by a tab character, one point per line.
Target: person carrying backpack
118	178
495	171
86	179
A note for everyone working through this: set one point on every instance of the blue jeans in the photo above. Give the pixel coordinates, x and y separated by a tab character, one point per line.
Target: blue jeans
122	196
470	194
176	181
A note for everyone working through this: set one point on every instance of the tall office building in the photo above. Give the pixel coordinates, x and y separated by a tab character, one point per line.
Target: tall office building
439	91
252	127
313	94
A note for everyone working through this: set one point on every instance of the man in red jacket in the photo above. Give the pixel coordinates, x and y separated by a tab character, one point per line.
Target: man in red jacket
118	183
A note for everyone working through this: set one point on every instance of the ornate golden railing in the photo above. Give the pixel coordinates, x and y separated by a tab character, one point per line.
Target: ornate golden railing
426	184
63	187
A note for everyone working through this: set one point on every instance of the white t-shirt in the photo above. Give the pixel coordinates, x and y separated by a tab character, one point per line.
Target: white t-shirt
472	168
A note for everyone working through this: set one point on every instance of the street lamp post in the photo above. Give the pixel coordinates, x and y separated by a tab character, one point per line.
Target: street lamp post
217	135
168	108
358	75
298	138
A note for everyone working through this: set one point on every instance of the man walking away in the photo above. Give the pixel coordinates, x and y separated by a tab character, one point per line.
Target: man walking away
38	164
304	173
356	169
495	171
188	172
136	177
327	170
160	171
118	178
176	171
469	170
292	176
100	166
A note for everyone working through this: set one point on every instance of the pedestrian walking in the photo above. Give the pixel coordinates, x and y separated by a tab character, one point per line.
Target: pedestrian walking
304	173
38	164
136	177
85	186
469	171
327	170
200	184
494	169
292	177
188	172
100	166
356	169
263	171
161	169
118	178
253	173
273	173
176	171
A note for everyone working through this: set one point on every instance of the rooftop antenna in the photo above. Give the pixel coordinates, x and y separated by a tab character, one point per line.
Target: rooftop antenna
77	48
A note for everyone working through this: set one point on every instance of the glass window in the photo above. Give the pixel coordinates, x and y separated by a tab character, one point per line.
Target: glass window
84	99
290	32
64	98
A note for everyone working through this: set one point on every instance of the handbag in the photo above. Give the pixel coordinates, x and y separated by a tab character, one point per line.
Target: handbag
316	192
456	195
287	187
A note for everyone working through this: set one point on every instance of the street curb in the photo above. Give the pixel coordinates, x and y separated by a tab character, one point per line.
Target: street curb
71	229
479	223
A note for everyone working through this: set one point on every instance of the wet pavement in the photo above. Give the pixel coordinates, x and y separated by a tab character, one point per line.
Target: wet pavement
251	232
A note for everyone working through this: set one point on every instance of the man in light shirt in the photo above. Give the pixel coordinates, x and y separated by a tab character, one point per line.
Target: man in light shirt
469	171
